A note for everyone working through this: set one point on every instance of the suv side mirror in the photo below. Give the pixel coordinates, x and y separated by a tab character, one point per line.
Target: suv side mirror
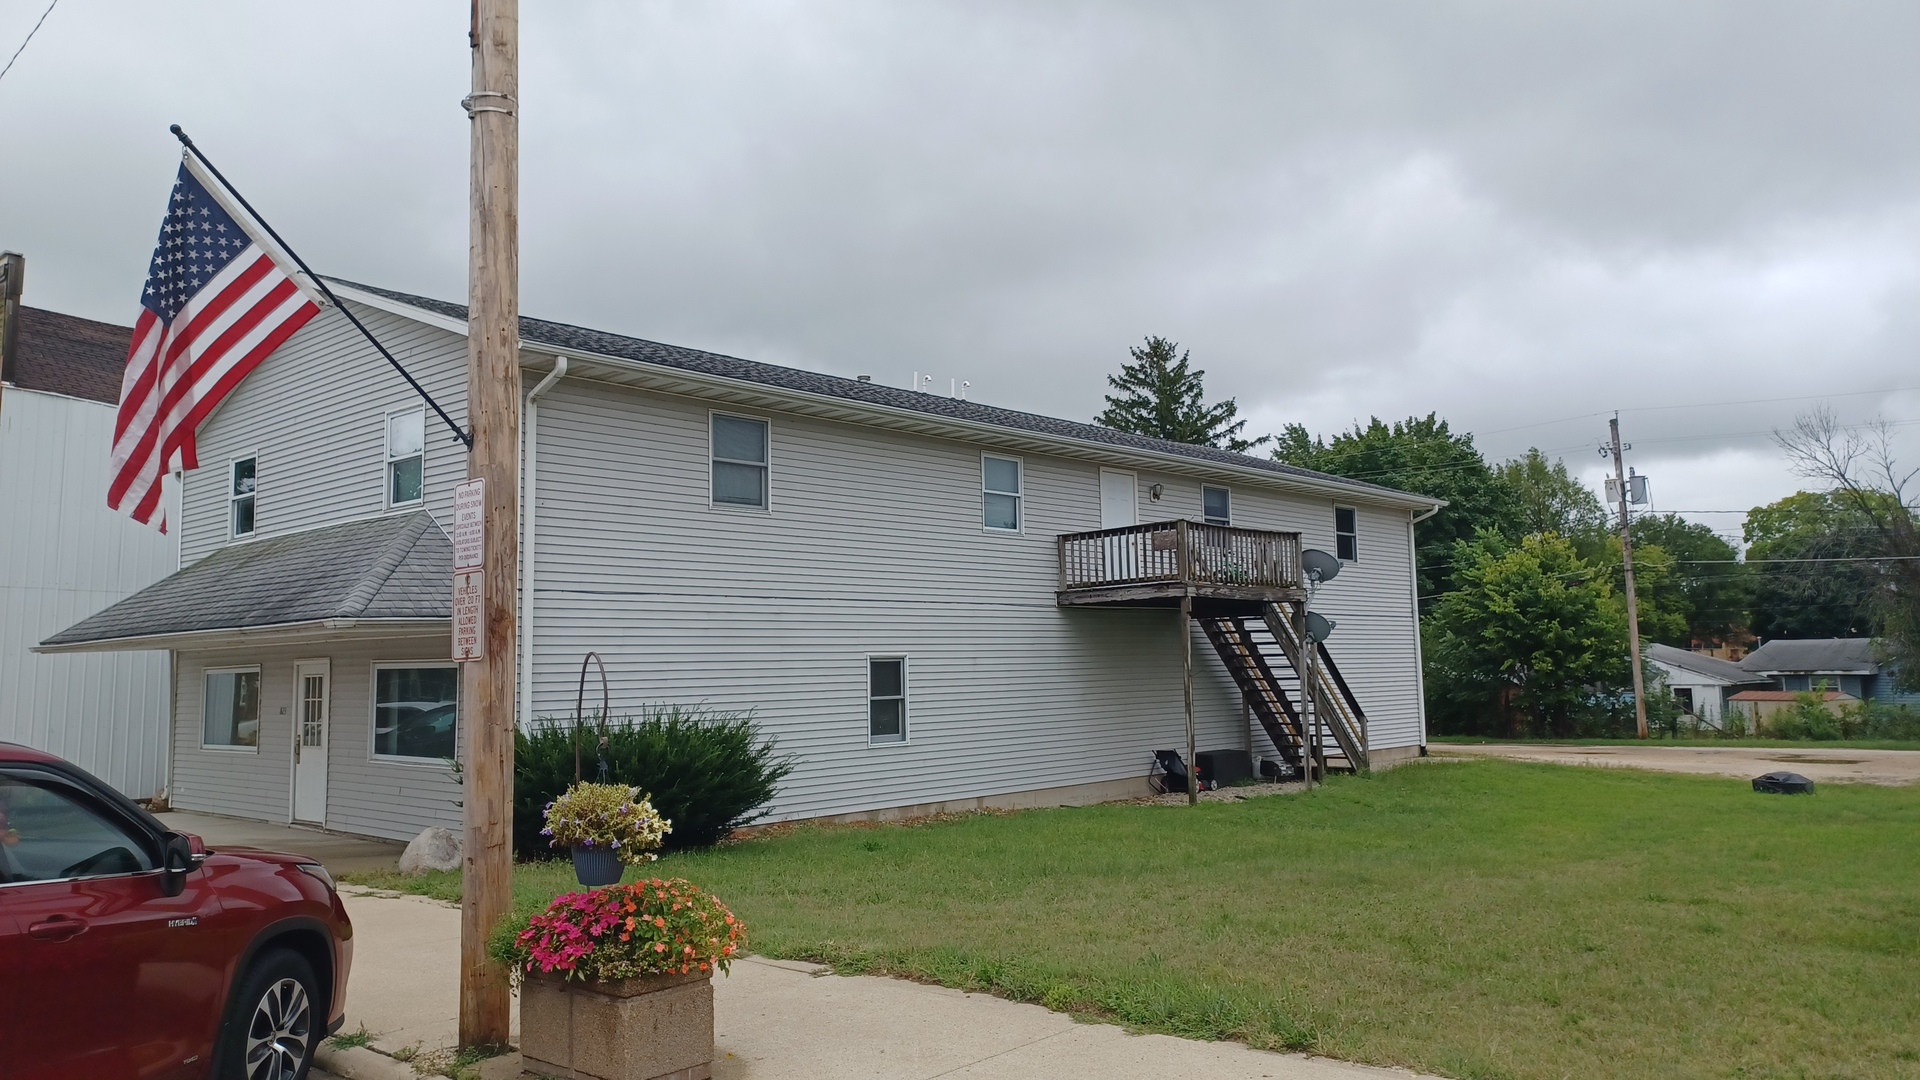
177	862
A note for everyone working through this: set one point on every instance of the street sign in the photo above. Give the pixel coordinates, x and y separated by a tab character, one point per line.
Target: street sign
467	644
469	525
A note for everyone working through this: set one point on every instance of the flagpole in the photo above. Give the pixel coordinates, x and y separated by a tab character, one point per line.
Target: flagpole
487	681
320	283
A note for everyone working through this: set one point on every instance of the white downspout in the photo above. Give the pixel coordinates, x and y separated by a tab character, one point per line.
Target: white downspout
1419	656
529	454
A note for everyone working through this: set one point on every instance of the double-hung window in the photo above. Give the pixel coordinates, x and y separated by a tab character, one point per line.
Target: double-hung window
416	710
241	488
231	712
1216	505
1000	493
739	461
1346	534
887	699
406	456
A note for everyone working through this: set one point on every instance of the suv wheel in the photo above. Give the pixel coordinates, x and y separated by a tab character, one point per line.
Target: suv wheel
273	1031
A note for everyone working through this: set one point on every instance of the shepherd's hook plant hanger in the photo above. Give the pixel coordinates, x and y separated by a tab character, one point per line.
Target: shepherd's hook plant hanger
579	720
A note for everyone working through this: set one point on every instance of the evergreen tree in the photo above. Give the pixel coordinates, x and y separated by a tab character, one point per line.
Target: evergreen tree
1161	396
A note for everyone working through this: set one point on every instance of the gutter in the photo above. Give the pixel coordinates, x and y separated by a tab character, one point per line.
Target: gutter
188	640
529	518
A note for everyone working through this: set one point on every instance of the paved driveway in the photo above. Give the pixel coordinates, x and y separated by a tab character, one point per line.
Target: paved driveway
1821	765
337	852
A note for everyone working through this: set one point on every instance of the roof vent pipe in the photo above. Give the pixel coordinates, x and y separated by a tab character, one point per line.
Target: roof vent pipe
863	378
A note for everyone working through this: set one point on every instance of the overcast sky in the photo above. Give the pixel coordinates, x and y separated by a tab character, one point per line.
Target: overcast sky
1520	215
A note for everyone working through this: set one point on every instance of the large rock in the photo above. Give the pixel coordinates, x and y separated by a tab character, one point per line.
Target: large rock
433	849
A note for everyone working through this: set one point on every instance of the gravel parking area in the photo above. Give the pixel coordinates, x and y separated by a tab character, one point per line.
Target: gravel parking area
1819	764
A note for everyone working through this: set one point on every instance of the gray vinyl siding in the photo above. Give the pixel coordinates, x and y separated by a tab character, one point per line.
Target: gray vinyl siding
313	414
364	795
873	545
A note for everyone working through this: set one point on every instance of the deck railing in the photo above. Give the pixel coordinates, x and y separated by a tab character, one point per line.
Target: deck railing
1183	552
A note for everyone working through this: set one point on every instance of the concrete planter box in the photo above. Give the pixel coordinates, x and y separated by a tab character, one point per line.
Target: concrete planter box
656	1028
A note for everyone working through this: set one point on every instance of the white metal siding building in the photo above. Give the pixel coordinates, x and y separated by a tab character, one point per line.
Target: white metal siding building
64	555
745	538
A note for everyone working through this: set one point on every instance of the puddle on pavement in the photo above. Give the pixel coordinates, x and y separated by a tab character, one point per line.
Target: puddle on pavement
1804	759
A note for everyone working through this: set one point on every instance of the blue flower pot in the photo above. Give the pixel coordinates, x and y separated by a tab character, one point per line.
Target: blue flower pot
596	866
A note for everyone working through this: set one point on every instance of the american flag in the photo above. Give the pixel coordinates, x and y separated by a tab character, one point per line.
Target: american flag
215	304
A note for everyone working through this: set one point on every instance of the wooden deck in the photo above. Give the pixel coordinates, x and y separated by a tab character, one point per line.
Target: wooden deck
1157	564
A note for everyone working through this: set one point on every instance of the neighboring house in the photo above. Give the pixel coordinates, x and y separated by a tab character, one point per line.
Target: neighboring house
64	555
932	603
1761	705
1849	665
1702	683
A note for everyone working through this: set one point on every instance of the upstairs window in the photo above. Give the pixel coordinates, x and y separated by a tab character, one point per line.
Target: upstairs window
1346	535
887	699
739	461
1216	505
240	496
1000	487
406	456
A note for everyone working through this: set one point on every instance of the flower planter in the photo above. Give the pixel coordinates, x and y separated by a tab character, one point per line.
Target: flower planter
654	1028
596	866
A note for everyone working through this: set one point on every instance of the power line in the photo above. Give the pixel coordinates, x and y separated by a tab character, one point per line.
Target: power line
30	33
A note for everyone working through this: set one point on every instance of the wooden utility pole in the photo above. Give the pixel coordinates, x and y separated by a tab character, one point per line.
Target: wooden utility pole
13	279
493	411
1633	602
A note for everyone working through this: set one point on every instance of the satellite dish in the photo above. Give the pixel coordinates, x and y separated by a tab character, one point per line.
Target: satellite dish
1319	566
1319	627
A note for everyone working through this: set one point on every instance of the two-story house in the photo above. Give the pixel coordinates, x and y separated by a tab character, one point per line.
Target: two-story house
930	602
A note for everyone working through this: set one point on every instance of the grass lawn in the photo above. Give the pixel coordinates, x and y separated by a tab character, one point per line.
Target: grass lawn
1476	919
1729	744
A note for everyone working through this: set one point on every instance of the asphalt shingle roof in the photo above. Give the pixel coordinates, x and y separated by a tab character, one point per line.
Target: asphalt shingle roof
394	567
1841	656
542	332
65	354
1701	664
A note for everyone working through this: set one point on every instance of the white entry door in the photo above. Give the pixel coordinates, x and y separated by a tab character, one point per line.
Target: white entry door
1119	499
311	694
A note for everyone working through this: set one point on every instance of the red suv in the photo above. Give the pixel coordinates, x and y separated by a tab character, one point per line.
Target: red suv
127	950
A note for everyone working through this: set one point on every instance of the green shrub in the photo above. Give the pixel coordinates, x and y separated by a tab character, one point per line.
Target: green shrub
709	773
1891	722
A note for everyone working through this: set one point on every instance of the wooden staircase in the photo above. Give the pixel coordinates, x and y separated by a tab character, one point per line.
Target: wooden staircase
1263	655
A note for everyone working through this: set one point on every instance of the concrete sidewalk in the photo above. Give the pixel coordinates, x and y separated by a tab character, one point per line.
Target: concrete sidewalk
796	1022
1818	763
337	852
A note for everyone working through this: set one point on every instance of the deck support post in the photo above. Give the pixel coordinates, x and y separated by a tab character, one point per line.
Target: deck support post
1186	648
1311	765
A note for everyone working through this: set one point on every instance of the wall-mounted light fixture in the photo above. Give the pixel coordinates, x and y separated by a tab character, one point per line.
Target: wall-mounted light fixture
1155	491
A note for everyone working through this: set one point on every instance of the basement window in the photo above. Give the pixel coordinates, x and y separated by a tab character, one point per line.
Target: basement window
886	699
1346	534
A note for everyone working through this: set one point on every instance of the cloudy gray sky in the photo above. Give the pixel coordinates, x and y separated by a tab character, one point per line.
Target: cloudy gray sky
1521	215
